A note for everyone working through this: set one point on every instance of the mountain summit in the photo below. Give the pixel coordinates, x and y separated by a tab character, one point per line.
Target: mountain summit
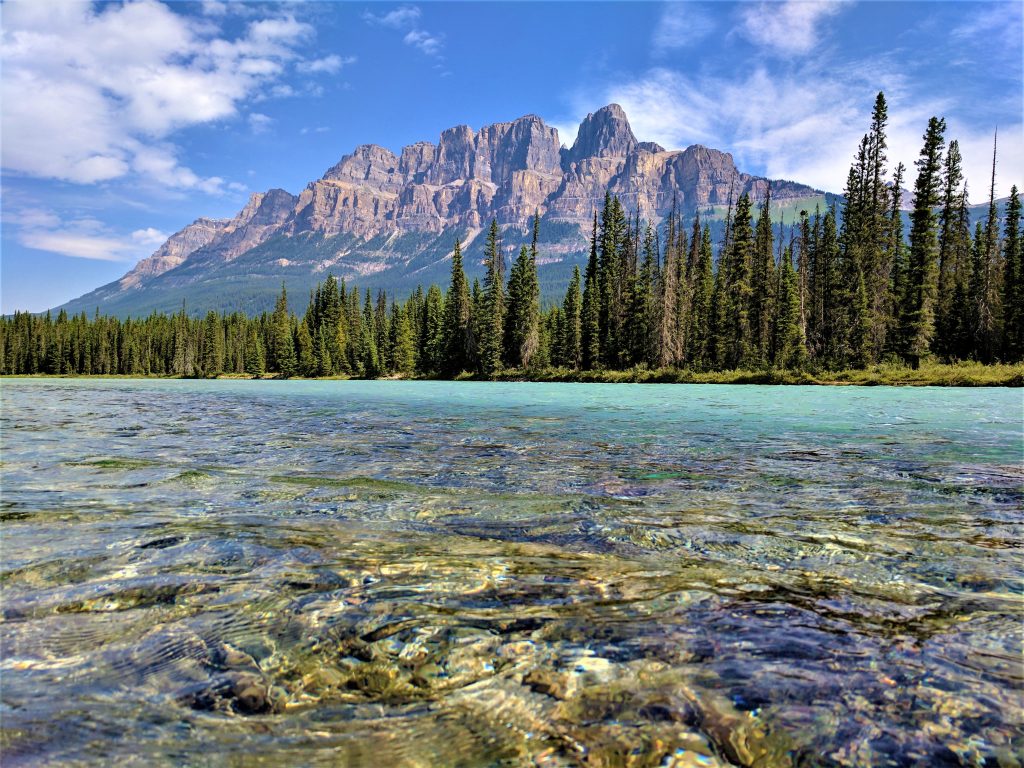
386	220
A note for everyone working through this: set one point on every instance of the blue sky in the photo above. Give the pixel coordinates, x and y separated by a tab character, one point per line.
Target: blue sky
123	122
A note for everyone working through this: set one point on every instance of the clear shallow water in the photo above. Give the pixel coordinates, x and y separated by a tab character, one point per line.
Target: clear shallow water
428	573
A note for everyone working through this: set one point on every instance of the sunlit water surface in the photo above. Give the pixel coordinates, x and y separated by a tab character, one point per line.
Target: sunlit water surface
428	573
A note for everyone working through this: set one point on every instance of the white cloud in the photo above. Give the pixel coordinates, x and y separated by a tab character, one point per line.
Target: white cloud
429	44
260	123
681	25
407	17
126	77
803	125
150	236
82	237
789	27
400	18
214	8
76	245
330	64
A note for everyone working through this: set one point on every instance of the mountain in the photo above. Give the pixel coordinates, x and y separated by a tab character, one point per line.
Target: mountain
382	220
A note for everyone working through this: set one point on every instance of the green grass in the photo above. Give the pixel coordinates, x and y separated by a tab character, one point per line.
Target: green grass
963	374
968	374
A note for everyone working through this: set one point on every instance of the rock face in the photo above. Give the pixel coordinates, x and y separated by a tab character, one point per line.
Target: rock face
175	250
605	133
508	171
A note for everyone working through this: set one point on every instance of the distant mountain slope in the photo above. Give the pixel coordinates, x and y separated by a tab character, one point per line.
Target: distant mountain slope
382	220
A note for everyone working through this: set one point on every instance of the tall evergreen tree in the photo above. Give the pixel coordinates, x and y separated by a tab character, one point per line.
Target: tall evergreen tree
668	340
305	362
1013	282
571	353
788	350
403	350
737	334
492	316
762	284
896	256
432	340
948	247
985	292
455	327
701	308
284	359
590	337
523	326
369	361
213	345
918	306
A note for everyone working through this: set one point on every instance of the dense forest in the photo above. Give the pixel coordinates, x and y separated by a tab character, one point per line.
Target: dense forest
840	288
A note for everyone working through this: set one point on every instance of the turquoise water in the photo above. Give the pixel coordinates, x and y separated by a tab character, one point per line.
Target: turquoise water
432	573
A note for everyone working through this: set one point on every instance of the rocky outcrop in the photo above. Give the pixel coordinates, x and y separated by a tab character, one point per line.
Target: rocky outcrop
260	220
605	133
175	250
509	171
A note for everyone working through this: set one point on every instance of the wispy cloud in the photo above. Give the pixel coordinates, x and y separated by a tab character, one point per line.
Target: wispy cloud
81	238
790	27
429	44
681	25
407	19
329	64
400	18
260	123
802	125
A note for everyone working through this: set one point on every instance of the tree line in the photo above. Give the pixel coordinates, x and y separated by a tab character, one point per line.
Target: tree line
840	288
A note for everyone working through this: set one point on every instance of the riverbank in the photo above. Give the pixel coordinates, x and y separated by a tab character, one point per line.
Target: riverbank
934	375
928	375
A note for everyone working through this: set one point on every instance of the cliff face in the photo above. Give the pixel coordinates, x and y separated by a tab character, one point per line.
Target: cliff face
508	171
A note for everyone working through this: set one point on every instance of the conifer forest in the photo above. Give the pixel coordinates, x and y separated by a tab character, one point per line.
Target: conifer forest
845	287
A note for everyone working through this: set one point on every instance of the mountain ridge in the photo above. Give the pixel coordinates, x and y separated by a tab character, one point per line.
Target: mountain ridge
381	218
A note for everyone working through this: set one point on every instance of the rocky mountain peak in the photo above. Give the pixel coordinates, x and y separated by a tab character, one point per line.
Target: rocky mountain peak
375	212
368	164
605	133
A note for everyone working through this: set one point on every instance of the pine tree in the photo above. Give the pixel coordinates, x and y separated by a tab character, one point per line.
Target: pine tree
737	333
895	341
305	362
762	284
283	346
827	262
591	318
643	310
523	324
700	306
403	349
492	316
668	341
986	297
1013	282
571	353
432	340
369	354
611	282
918	306
788	350
948	250
455	327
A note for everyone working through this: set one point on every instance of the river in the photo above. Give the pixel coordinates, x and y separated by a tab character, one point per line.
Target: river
437	573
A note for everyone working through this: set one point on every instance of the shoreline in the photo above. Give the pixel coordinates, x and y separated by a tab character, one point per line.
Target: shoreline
934	375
